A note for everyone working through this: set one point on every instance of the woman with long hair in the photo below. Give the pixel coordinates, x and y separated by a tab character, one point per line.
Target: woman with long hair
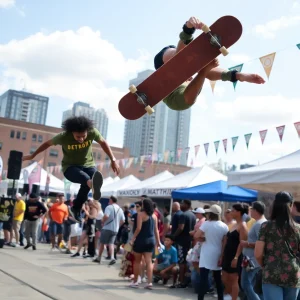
144	239
277	251
232	255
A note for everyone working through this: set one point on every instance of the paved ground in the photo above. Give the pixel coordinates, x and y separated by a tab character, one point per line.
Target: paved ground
26	273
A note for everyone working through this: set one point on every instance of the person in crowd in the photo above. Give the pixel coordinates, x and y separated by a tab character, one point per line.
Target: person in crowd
167	221
213	235
144	239
250	265
277	251
229	221
33	212
99	225
232	255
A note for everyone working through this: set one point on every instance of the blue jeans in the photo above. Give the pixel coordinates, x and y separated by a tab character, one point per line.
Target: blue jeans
247	282
55	228
78	174
1	226
272	291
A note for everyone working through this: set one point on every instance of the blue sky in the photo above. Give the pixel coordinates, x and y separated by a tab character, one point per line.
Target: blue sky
88	50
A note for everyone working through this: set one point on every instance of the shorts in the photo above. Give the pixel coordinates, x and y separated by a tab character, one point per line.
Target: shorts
182	252
55	228
144	248
7	225
76	230
107	237
16	225
175	100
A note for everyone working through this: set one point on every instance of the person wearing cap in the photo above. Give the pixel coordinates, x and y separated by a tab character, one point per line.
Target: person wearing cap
213	235
18	217
184	96
34	210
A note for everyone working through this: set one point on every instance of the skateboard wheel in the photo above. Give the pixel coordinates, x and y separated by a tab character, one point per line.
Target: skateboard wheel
132	89
205	29
224	51
149	109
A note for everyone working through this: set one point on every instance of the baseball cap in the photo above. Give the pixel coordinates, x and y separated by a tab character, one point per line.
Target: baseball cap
215	209
132	205
199	210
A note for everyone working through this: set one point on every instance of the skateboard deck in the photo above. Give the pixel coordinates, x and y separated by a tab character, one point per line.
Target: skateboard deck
225	32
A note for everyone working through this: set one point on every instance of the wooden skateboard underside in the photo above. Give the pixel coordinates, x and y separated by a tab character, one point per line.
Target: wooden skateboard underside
181	67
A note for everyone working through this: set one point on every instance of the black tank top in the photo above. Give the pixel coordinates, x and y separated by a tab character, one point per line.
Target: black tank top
146	235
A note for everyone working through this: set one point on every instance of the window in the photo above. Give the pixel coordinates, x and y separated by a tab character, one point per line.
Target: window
18	135
32	149
53	153
1	145
34	137
24	135
99	156
51	164
40	138
12	134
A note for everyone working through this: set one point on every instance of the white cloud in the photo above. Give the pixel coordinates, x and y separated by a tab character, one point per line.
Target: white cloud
7	3
239	58
267	110
269	29
74	65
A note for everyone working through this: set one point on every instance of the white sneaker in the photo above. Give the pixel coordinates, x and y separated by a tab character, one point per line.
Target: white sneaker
144	280
227	297
134	285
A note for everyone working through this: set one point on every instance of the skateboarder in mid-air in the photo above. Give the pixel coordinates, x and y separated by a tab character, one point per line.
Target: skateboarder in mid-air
186	94
78	163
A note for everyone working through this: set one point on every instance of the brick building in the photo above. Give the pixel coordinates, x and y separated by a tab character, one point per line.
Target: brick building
27	137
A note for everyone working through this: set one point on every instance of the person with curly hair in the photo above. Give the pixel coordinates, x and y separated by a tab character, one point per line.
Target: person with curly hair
78	164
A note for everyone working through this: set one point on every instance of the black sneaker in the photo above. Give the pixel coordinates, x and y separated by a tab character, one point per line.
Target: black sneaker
33	247
108	258
27	246
68	252
97	260
75	214
97	182
112	262
76	255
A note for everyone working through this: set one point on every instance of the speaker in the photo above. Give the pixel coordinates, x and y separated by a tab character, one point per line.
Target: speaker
25	189
14	164
35	189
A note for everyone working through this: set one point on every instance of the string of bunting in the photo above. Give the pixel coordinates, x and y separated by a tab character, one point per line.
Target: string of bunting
267	62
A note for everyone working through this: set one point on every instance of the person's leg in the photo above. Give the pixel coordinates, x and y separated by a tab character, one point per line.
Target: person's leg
136	267
203	285
272	292
28	233
17	226
22	229
104	240
53	232
111	245
219	285
149	267
234	283
290	293
34	233
80	244
247	283
59	233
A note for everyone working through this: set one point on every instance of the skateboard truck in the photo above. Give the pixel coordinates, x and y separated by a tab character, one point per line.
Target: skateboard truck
215	40
142	99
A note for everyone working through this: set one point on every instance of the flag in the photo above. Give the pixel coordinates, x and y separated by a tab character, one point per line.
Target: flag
187	150
196	150
130	160
206	146
237	68
217	146
297	126
267	62
212	84
166	156
298	45
136	159
247	139
35	176
263	134
280	130
225	145
142	159
179	150
234	142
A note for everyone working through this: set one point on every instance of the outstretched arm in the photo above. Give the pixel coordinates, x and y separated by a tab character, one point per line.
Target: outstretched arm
40	149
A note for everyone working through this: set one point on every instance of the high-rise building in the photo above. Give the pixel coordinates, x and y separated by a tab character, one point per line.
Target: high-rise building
165	129
24	106
99	116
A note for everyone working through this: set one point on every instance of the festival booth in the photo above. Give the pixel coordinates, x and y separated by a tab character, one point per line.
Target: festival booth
216	191
138	189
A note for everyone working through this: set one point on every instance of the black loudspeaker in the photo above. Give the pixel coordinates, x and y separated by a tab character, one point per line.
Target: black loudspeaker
35	189
14	164
25	189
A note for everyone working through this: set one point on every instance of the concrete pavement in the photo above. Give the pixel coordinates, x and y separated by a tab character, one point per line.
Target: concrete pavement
60	277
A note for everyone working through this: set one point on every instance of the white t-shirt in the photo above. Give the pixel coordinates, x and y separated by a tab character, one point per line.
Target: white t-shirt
212	246
100	215
115	214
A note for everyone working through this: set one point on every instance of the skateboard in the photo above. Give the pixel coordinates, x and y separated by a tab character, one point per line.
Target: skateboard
214	40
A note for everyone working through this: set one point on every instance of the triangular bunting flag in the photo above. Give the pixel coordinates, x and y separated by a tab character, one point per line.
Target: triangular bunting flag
239	69
298	45
234	141
225	145
263	134
172	155
166	156
247	138
206	146
136	159
130	160
267	62
196	150
212	84
217	146
160	157
179	150
187	150
297	126
280	130
142	159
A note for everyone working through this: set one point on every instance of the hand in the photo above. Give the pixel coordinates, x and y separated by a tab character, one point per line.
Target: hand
244	244
194	22
251	78
234	263
28	157
131	242
220	261
115	167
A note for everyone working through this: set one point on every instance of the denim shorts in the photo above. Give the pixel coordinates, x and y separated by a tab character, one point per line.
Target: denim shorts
55	228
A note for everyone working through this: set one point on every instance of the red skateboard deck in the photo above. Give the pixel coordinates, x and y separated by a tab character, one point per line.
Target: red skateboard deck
181	67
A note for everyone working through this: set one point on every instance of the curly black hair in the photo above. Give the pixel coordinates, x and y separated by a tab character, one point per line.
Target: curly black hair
77	124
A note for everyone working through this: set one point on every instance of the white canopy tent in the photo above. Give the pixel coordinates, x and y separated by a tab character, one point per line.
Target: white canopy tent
277	175
193	177
137	190
112	189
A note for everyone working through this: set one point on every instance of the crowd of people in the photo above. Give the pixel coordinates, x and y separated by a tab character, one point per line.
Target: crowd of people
237	253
